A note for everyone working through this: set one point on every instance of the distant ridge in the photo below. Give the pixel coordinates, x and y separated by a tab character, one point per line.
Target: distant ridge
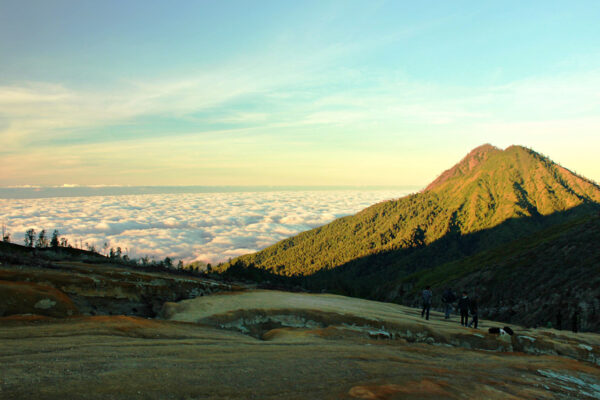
37	192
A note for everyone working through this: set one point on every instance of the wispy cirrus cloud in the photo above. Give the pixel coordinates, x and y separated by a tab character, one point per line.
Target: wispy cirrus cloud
40	109
309	90
205	95
50	130
288	93
33	109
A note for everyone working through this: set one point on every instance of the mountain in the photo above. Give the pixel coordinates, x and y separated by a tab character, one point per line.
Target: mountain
488	187
491	198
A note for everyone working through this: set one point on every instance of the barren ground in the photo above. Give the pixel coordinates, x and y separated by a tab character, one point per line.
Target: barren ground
276	345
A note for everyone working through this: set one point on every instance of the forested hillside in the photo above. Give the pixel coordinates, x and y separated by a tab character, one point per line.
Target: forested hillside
548	278
488	187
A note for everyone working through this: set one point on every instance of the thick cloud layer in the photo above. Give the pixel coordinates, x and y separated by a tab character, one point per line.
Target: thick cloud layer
209	227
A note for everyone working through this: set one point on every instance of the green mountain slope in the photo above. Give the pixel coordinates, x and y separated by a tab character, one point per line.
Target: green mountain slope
490	197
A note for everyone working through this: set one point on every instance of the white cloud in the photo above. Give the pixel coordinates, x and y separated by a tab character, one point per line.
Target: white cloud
57	110
210	227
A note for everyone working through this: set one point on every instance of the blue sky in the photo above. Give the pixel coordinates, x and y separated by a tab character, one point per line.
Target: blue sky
290	93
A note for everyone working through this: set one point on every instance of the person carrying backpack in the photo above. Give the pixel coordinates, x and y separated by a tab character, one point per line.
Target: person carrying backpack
427	295
463	305
448	298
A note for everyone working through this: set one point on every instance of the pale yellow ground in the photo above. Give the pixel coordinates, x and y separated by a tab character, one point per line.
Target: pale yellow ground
136	358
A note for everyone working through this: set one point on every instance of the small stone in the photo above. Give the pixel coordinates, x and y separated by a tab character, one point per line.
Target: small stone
45	304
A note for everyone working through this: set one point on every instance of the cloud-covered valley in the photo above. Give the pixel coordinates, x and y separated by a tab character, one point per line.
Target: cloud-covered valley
209	227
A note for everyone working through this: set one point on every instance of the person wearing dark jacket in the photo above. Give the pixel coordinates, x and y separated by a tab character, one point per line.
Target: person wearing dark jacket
448	298
463	306
427	295
474	312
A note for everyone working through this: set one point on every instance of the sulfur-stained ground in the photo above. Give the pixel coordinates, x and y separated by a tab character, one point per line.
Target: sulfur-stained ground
276	345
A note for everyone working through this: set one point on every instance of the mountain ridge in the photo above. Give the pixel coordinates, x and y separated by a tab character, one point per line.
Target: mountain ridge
487	187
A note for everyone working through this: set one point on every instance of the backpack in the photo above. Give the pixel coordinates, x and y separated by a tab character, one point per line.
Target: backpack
448	297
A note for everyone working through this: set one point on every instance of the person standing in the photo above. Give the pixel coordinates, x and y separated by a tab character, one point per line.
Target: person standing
463	306
474	312
575	320
448	298
427	295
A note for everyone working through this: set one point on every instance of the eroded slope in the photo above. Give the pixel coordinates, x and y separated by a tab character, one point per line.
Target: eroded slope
260	312
71	288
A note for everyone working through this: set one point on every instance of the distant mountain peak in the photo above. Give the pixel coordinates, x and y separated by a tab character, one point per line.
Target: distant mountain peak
475	157
483	149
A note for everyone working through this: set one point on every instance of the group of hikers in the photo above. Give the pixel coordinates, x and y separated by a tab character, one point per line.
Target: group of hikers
464	305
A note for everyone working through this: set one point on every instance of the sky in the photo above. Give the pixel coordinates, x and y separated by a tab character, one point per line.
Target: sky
290	93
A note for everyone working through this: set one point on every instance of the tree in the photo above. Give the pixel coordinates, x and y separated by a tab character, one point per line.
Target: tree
168	263
64	242
180	265
42	241
55	242
5	233
30	238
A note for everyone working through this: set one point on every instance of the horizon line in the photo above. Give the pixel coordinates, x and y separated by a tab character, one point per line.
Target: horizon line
37	192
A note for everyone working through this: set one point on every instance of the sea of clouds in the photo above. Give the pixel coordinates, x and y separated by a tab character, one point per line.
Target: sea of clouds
208	227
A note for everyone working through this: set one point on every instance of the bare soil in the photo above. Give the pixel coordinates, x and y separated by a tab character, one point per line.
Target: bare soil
277	345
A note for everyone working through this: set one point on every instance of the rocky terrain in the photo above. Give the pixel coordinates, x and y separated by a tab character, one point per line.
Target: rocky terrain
271	345
69	288
267	314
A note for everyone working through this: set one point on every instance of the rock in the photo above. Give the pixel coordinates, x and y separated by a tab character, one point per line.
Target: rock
379	334
45	304
529	338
